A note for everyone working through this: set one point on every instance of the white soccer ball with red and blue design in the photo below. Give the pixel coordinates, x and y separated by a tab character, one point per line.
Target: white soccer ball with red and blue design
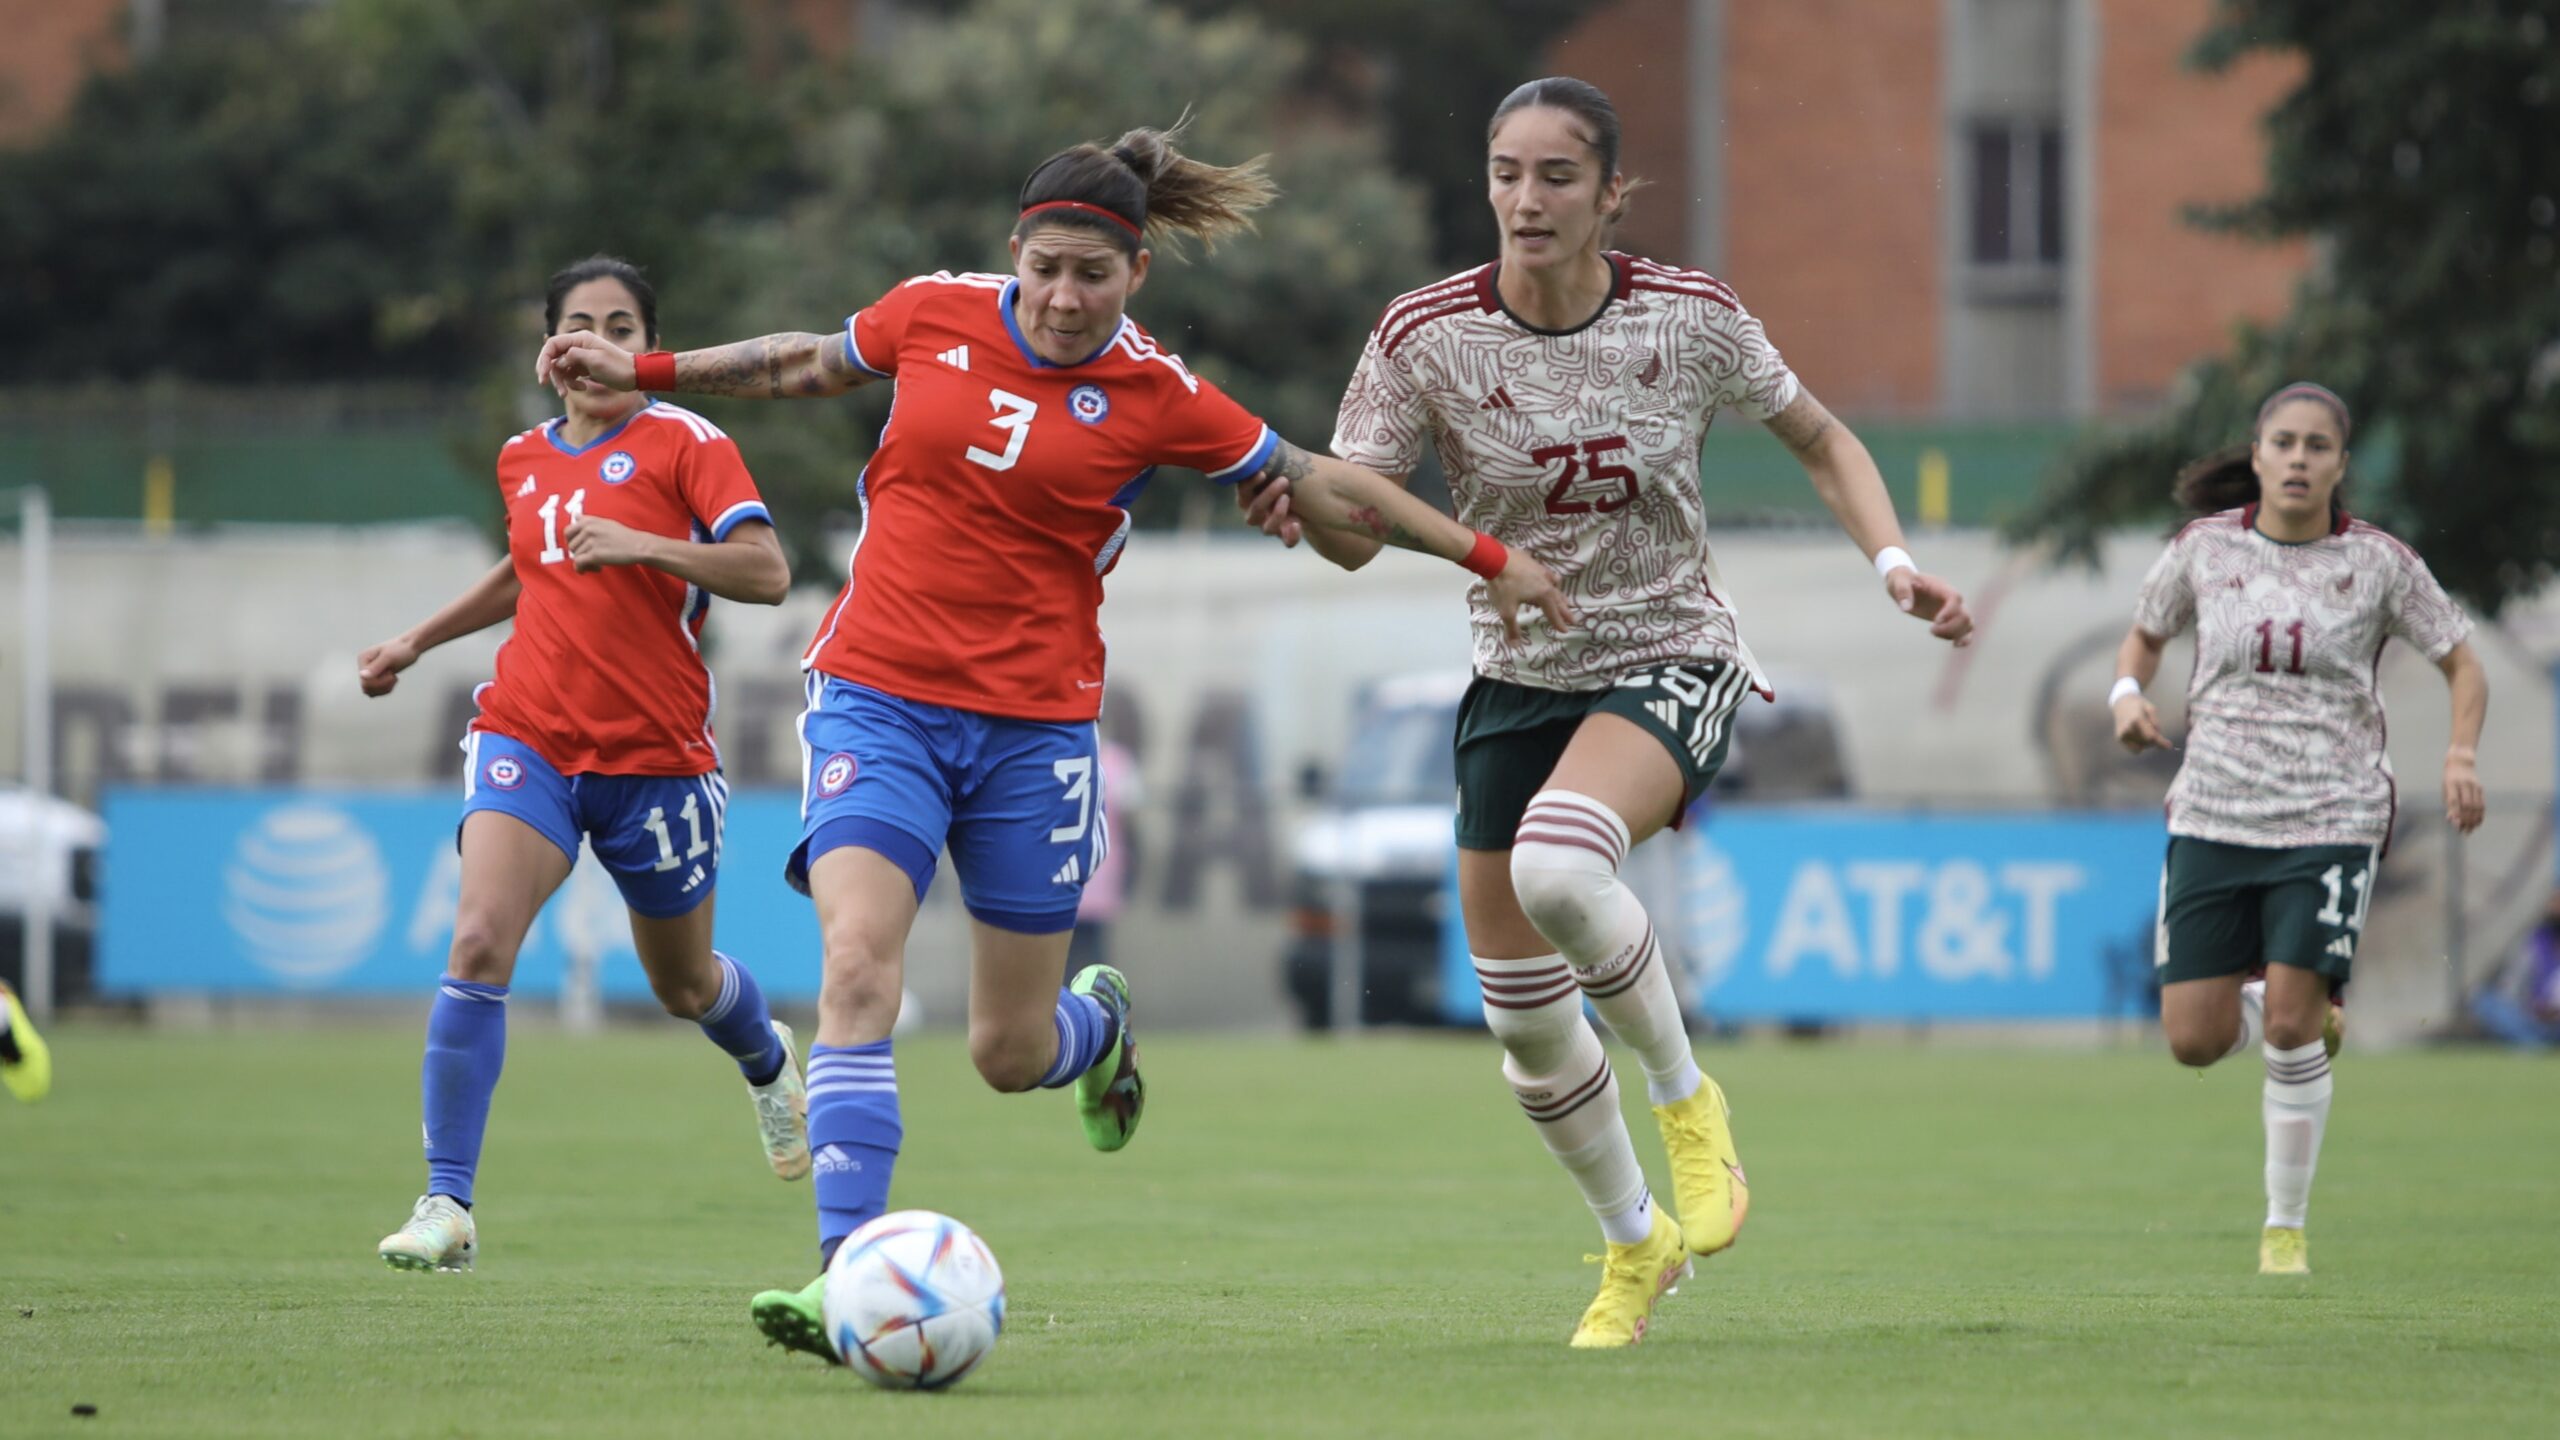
913	1301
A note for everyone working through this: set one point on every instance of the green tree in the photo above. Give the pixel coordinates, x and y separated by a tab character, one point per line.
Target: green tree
373	190
918	172
2422	150
1433	72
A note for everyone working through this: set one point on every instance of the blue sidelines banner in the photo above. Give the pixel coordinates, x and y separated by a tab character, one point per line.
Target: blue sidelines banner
353	892
1828	915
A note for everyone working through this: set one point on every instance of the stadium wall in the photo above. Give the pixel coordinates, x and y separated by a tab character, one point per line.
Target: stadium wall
227	658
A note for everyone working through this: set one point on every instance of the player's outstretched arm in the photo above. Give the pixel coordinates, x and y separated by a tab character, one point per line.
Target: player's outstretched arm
1337	495
490	599
2464	802
1846	478
2137	723
791	366
1267	507
748	566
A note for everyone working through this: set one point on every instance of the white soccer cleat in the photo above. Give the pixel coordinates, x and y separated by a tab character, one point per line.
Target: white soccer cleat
439	1236
782	1112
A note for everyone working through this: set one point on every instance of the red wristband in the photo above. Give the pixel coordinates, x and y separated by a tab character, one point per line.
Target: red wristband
654	371
1487	558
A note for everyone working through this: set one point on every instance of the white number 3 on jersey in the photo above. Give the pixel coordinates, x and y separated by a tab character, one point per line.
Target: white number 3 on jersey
1013	417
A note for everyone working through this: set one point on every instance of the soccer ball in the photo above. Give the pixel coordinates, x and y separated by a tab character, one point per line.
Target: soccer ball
913	1301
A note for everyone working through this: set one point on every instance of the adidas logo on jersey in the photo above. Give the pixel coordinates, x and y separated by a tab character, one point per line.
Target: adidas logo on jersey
957	357
1500	399
526	488
692	880
1069	873
2344	947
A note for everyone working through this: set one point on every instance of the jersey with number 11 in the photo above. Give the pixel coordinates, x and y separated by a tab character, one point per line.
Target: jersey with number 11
603	674
999	495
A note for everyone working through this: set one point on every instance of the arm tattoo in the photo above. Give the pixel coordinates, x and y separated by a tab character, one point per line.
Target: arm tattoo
771	366
1371	522
1802	425
1287	462
1292	464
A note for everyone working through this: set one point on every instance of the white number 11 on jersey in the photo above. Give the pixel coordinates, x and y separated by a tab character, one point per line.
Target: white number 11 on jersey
552	554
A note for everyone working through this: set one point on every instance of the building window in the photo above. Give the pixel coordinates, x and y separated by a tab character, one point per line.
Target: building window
2014	205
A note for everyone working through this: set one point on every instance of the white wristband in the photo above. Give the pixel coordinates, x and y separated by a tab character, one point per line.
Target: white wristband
1892	558
2125	685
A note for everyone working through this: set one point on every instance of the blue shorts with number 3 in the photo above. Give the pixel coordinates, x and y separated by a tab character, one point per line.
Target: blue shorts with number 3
1018	802
659	835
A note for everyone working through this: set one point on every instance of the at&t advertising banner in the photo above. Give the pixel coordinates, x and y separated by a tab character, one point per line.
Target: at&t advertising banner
1847	915
353	892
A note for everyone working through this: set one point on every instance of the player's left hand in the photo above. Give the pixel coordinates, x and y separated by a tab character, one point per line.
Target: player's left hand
584	360
1934	600
595	543
1265	503
1524	581
2464	804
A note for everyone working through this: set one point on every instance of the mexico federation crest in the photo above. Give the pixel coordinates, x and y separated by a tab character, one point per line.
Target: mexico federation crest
506	772
1088	404
617	467
836	774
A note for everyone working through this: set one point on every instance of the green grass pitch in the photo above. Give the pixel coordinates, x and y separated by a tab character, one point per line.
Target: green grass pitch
1306	1239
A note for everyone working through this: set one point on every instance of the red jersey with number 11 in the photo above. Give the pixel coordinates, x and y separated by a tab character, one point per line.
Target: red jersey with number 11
997	499
602	674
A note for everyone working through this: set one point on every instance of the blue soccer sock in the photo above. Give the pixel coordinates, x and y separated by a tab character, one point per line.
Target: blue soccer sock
739	1023
466	1048
854	1132
1084	1032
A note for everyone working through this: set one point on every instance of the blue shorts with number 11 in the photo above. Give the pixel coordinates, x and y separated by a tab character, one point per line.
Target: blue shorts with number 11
1018	802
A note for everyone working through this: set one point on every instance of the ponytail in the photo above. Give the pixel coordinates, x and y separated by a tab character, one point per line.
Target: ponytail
1141	188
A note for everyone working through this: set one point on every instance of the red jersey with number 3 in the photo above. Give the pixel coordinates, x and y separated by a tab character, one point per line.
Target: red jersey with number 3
998	499
603	674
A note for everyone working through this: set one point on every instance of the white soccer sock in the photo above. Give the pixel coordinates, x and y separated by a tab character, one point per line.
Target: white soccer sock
1564	867
2297	1112
2253	1019
1557	1071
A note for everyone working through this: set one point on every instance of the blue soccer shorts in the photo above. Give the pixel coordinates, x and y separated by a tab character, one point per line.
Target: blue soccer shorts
1017	802
658	835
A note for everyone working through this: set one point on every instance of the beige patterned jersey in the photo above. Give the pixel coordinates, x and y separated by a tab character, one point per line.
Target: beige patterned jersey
1579	446
2284	742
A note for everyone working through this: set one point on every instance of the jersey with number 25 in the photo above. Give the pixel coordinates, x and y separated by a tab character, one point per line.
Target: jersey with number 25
603	674
998	498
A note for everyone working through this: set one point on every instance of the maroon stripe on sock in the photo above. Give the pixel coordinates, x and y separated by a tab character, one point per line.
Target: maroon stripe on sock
1531	834
1562	819
1620	986
1528	1000
1572	1100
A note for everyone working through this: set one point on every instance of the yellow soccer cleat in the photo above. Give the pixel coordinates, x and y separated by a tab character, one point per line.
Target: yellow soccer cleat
2283	1251
1706	1172
26	1066
2333	1029
1632	1278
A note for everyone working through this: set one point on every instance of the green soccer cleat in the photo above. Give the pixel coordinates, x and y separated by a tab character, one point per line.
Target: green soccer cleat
1110	1097
796	1319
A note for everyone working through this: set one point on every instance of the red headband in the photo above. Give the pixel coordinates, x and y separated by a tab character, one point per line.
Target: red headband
1113	216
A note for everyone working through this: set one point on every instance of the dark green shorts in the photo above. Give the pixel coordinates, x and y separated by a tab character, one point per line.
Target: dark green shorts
2232	909
1511	736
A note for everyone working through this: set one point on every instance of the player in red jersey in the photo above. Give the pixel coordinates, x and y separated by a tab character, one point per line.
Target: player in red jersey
624	517
2284	800
954	685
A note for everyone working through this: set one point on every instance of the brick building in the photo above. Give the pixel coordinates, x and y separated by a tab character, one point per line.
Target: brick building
1958	209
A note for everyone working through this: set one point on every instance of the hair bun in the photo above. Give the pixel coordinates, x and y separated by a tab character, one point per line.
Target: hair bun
1125	156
